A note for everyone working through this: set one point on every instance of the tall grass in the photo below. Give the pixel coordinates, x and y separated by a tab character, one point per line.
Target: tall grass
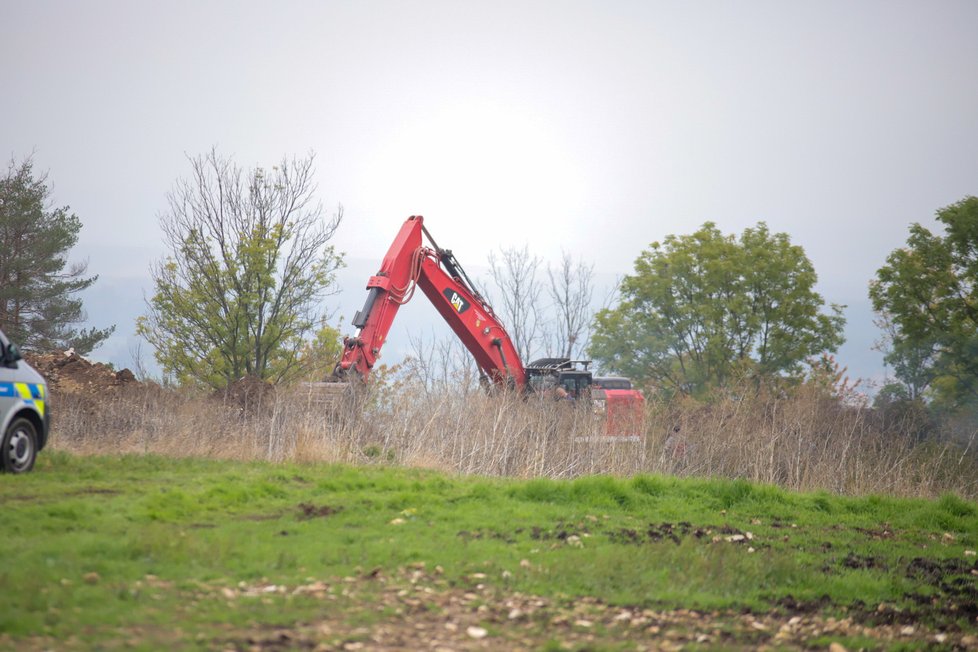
804	441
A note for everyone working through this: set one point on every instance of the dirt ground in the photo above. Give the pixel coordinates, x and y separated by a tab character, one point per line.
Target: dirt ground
419	610
70	373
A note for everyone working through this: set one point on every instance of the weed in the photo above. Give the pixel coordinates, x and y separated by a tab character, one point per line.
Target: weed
956	506
648	485
802	441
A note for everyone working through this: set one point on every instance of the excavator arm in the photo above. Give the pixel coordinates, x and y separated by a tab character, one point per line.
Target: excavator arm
410	264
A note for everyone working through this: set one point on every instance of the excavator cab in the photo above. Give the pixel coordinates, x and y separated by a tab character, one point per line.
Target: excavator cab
572	375
577	384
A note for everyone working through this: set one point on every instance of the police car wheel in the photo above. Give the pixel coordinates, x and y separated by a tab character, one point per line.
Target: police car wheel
19	447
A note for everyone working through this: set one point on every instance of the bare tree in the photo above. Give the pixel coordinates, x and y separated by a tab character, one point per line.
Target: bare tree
514	273
571	290
440	365
250	263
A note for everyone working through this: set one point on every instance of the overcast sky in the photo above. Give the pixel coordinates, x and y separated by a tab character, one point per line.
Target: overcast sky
589	127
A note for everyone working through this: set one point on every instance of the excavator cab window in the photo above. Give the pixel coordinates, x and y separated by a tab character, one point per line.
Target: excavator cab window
542	383
577	384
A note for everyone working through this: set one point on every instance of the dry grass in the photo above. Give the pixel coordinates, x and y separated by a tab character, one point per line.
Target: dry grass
805	441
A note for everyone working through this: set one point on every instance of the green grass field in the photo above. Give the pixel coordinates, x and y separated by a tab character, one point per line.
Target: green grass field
144	552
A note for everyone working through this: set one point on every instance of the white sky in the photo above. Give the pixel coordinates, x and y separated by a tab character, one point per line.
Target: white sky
590	127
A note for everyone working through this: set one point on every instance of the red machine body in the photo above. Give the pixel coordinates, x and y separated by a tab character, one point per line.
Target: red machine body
621	404
410	264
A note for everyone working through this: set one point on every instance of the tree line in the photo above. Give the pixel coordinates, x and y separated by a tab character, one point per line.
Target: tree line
250	262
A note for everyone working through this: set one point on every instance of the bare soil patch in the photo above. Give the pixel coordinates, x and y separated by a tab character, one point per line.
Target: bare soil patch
417	609
70	373
308	511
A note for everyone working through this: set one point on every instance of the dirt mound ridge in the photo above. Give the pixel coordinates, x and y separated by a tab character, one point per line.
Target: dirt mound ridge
70	373
247	392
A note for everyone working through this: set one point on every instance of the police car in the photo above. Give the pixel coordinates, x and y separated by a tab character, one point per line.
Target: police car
24	414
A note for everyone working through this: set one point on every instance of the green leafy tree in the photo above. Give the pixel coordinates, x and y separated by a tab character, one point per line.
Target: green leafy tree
249	267
912	362
318	355
929	290
706	308
39	306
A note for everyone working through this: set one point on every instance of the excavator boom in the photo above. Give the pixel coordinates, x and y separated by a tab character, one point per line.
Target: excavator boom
410	264
387	290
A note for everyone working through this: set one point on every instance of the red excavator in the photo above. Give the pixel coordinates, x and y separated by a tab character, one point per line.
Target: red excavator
408	265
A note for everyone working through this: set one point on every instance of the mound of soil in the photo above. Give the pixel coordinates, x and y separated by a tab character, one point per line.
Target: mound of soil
70	373
247	392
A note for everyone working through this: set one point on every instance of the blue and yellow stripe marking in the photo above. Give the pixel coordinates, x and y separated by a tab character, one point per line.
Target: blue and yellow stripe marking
30	393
